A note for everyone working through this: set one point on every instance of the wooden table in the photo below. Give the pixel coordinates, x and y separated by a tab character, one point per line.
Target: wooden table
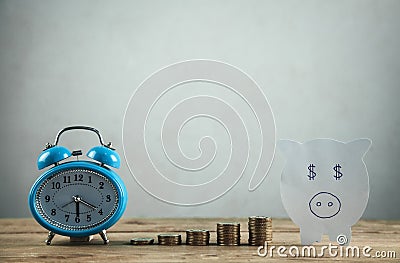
22	240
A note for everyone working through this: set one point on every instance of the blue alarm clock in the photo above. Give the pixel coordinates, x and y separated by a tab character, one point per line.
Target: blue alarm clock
78	198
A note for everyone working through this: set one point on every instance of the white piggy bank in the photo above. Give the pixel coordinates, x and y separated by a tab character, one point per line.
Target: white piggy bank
324	187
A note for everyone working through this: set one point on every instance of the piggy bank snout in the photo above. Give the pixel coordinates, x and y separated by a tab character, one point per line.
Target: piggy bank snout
325	205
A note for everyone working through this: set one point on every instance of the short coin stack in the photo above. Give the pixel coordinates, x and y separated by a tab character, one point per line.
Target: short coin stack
197	237
142	241
169	239
260	230
228	234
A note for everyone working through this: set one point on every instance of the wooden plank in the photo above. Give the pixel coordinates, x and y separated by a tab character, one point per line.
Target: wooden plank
21	240
26	225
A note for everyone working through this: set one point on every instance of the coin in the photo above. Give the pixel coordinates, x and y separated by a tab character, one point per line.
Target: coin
228	234
142	241
260	230
169	239
197	237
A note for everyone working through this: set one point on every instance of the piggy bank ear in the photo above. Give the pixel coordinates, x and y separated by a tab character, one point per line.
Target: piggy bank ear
287	147
360	146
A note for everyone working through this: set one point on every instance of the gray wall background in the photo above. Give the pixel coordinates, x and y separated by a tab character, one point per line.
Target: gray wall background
329	69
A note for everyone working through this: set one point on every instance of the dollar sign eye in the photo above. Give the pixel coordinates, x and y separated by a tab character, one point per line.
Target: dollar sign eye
311	174
338	174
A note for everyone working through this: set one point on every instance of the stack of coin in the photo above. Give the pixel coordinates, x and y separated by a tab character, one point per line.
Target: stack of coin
260	230
169	239
142	241
228	234
197	237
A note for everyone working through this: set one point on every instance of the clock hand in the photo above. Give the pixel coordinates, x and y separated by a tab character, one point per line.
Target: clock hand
77	208
77	200
88	204
68	203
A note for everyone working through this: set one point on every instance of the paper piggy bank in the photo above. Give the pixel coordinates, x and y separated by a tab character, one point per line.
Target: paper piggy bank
324	187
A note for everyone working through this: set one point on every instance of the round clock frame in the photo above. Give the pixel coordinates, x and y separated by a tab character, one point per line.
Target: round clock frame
78	198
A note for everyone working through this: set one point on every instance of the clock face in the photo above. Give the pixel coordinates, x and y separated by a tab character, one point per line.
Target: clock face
76	199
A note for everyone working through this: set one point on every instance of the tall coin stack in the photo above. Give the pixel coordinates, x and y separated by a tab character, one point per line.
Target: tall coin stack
228	234
197	237
260	230
169	239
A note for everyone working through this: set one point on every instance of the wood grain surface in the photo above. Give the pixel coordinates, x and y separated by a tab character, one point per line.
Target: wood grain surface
22	240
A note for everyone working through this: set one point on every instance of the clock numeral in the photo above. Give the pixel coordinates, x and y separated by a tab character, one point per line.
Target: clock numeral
77	220
53	212
101	185
78	177
55	185
67	179
89	217
66	218
90	179
108	198
47	198
100	212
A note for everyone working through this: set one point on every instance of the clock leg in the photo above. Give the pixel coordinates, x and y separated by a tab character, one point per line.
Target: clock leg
50	237
103	235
